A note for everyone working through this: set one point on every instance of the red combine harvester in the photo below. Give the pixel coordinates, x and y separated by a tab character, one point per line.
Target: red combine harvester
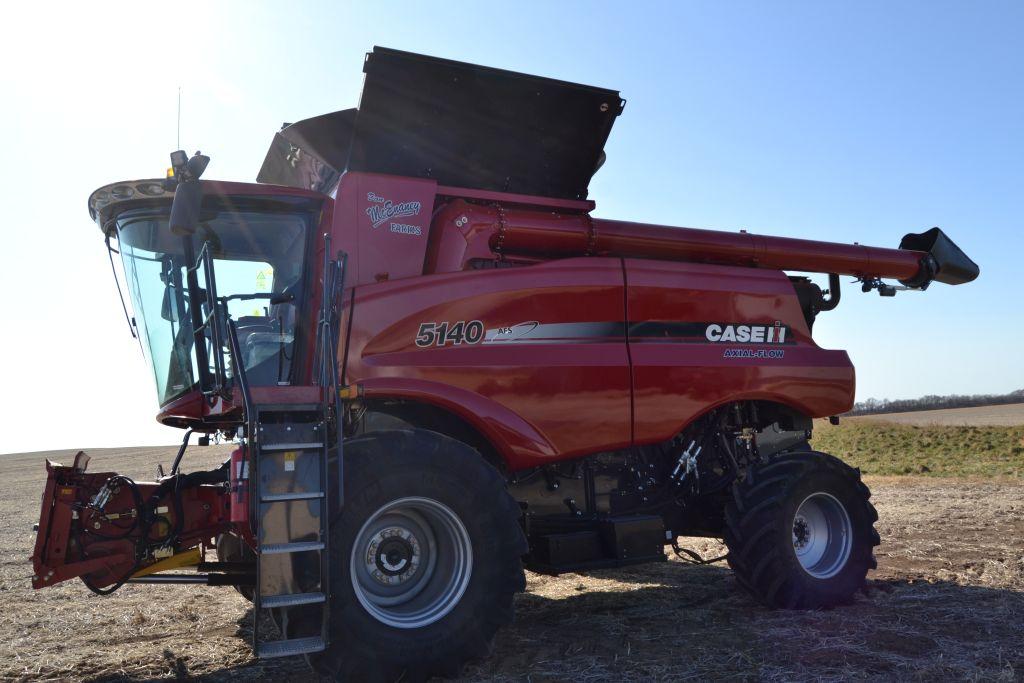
439	368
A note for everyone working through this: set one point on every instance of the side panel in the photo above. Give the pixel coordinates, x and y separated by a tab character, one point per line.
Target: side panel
383	222
534	357
690	332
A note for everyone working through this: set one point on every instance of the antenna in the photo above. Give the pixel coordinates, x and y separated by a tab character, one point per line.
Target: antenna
178	146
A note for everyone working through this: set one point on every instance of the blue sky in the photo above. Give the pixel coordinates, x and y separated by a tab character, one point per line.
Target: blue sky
856	122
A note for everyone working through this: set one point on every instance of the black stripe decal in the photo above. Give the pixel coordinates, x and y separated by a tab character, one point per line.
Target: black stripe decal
646	331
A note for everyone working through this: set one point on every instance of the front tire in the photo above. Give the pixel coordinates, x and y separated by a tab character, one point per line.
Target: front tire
425	557
800	531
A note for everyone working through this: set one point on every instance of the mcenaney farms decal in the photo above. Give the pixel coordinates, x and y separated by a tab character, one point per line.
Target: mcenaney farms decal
382	210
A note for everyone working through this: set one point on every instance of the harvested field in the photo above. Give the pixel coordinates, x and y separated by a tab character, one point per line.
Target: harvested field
946	602
1009	415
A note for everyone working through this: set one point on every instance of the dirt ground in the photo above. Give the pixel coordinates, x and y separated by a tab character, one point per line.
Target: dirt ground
1009	415
946	602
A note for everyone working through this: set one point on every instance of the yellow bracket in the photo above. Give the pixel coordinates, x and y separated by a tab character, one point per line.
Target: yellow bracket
350	392
189	558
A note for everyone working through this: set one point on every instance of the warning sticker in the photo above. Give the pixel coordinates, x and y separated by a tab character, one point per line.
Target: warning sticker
289	461
264	279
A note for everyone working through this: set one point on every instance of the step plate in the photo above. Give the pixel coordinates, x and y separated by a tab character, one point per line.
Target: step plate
308	446
276	548
278	497
291	600
287	648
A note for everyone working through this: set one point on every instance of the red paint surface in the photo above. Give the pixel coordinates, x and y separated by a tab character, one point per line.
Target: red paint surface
536	402
563	398
674	382
380	253
104	561
746	249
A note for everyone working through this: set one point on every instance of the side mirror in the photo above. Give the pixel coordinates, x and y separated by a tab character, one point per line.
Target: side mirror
188	200
167	311
170	304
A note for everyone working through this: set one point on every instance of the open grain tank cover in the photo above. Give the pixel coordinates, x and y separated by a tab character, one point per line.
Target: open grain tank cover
461	124
310	154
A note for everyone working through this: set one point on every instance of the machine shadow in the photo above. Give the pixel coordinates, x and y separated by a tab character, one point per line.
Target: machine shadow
676	623
670	622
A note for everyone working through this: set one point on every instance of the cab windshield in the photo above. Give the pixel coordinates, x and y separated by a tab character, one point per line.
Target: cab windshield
258	257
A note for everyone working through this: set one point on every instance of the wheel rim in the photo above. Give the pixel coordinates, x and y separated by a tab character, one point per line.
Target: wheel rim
822	535
411	562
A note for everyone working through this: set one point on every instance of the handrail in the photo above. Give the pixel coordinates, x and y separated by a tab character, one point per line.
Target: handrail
326	353
326	361
238	375
212	320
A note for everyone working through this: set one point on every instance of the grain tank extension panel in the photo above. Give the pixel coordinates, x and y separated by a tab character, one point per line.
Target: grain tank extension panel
461	124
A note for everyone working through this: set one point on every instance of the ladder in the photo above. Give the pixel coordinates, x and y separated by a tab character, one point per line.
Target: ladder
292	570
292	496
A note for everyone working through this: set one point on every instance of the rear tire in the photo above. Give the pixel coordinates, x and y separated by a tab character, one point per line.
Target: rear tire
800	531
425	558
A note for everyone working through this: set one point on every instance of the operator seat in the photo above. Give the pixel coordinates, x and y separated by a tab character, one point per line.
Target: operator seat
268	349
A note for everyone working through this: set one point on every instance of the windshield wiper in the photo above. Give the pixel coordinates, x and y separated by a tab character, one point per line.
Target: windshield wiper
282	298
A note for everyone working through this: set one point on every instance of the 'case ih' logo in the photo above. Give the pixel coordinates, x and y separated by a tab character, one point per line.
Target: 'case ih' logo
384	209
752	334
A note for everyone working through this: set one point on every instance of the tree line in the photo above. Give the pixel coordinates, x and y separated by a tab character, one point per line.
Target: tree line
874	405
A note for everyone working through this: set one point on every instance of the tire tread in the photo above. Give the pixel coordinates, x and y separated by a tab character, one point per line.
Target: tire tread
752	516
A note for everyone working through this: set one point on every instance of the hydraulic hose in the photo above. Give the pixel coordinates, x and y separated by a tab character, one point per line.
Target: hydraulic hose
143	518
139	519
137	499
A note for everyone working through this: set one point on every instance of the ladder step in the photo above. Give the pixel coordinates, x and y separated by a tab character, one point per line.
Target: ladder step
276	548
285	648
291	600
278	497
290	446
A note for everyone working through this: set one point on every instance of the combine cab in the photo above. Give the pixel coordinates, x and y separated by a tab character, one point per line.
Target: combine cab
439	368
